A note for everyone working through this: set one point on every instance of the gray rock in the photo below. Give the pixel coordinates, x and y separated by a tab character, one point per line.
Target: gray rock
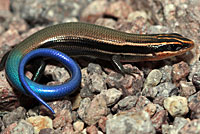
112	96
166	73
47	131
13	116
23	127
97	83
153	78
129	84
58	73
165	89
91	111
196	80
186	88
94	68
128	102
191	127
1	125
130	123
93	80
178	124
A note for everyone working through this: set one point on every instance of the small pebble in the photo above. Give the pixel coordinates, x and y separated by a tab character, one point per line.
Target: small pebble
165	89
194	105
78	126
40	122
166	73
176	105
112	95
13	116
62	118
102	123
127	103
119	9
91	111
150	109
191	127
159	118
178	124
153	78
186	88
92	129
196	80
47	131
94	68
131	122
180	71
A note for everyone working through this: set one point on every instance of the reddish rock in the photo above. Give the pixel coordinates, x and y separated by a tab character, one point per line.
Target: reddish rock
180	71
159	100
194	106
9	129
68	129
94	10
57	106
106	22
91	111
119	9
159	118
129	84
4	5
8	99
186	88
102	124
10	37
62	118
92	130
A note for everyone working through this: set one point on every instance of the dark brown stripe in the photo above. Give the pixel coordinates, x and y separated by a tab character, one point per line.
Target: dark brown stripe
93	45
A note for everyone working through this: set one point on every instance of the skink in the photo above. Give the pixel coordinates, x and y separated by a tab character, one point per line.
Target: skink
82	39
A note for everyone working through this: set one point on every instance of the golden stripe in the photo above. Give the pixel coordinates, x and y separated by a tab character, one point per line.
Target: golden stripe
188	42
111	41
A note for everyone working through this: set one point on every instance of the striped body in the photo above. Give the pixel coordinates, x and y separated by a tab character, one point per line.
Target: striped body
81	39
